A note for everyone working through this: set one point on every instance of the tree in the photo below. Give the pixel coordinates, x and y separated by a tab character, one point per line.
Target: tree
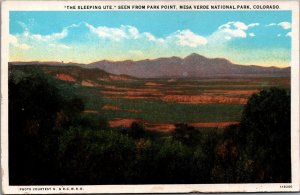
265	137
186	134
94	157
136	130
226	152
33	104
36	110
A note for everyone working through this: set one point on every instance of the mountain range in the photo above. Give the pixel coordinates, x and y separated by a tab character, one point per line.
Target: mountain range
192	66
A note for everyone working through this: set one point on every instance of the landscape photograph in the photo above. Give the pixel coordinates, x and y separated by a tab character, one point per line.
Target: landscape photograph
156	97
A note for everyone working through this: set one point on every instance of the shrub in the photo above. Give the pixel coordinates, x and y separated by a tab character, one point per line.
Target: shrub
265	136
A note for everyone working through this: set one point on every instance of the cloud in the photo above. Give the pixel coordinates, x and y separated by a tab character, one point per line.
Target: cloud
46	38
133	32
23	25
116	34
251	34
71	34
234	33
284	25
228	38
86	33
271	24
289	34
50	37
126	32
240	25
23	40
149	36
13	40
237	25
28	37
231	30
253	25
187	38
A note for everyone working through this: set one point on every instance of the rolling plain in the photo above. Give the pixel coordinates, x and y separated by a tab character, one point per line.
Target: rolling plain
157	103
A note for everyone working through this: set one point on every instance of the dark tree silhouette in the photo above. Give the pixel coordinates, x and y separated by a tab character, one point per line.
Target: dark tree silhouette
186	134
136	130
33	105
36	111
265	136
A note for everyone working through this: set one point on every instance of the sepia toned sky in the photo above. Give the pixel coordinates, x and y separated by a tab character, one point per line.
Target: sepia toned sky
243	37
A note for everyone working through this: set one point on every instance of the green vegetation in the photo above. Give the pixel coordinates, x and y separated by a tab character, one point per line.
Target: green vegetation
53	142
159	111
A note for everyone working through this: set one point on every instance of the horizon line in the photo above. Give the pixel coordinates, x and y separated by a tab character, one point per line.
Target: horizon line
173	56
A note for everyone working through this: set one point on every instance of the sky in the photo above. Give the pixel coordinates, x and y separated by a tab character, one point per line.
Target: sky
243	37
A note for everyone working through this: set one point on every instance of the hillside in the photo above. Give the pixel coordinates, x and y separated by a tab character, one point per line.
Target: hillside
86	77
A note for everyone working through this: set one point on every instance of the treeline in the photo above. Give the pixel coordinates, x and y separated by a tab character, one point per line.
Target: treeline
51	142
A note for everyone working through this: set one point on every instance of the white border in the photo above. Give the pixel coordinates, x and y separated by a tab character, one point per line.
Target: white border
59	6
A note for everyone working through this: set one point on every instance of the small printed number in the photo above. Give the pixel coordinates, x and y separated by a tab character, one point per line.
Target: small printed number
286	186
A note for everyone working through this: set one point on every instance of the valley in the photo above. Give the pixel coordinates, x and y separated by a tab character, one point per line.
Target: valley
159	104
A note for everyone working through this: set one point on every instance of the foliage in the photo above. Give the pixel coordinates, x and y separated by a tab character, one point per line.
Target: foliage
33	105
94	157
186	134
36	111
136	130
266	135
159	111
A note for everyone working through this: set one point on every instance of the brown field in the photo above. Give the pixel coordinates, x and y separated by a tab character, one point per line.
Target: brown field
203	99
206	97
160	104
87	83
165	127
65	77
232	92
123	122
125	89
214	124
148	126
115	108
183	99
132	97
132	93
153	84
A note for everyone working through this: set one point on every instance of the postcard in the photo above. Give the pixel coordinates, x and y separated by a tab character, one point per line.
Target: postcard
149	96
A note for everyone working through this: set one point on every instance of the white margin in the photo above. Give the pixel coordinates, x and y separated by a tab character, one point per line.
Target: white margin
183	188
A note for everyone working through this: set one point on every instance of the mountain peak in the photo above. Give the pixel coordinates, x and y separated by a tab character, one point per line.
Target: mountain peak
195	56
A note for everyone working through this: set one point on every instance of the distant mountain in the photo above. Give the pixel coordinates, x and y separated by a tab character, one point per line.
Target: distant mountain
192	66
